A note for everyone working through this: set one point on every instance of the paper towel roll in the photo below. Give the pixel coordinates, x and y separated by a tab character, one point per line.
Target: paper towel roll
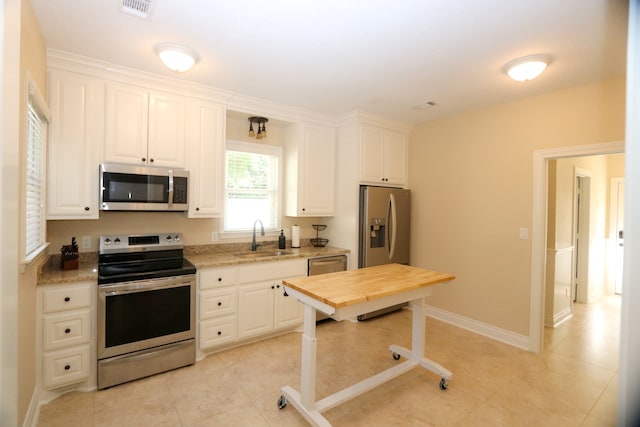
295	236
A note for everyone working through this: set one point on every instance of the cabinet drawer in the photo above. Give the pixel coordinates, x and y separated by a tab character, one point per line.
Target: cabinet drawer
64	330
66	298
218	277
218	302
217	332
66	367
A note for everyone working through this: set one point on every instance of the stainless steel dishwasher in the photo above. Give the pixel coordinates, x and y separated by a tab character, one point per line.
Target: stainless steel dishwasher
323	265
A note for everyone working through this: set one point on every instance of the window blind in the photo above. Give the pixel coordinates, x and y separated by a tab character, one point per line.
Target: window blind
252	189
34	182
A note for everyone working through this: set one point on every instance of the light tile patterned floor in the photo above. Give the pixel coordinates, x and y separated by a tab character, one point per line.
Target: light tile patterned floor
572	383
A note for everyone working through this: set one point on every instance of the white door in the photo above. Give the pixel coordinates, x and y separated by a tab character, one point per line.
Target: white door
619	238
581	233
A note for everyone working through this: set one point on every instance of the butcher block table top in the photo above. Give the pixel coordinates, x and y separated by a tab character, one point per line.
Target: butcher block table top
365	284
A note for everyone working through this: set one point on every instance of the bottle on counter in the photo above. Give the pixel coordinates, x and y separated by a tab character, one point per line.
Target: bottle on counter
282	242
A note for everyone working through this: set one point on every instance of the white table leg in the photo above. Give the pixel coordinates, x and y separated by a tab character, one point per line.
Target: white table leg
308	362
417	344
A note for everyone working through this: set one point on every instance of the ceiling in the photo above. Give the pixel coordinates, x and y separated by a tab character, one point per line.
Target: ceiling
337	56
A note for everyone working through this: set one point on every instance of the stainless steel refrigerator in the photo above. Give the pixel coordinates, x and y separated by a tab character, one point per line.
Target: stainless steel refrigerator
384	230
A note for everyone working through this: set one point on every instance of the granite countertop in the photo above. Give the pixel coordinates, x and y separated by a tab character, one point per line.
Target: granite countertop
202	256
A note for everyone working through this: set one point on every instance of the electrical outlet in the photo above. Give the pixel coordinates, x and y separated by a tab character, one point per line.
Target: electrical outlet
214	236
86	242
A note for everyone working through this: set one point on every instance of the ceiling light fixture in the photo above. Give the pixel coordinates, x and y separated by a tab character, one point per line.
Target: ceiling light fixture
176	57
262	129
527	68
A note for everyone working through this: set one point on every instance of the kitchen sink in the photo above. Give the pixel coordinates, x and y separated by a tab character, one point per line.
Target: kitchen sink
263	254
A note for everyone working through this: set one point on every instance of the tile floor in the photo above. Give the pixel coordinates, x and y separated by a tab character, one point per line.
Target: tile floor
572	383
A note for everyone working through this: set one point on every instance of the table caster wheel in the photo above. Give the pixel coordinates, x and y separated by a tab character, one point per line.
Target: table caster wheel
282	402
444	384
396	356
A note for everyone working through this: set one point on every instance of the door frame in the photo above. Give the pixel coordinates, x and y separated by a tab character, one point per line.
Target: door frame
539	227
581	219
613	233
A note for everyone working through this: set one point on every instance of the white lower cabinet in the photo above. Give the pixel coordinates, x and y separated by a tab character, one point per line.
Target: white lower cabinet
65	325
246	301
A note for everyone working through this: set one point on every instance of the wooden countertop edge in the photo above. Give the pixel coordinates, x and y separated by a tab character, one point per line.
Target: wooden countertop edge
438	278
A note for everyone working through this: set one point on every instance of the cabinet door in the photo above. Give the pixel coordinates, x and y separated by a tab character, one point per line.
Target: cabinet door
255	309
317	171
126	124
166	130
76	135
287	310
396	158
372	152
206	158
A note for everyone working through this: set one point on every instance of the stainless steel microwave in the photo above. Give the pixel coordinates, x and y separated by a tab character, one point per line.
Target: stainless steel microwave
143	188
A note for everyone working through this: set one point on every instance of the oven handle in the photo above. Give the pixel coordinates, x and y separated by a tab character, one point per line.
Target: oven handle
133	287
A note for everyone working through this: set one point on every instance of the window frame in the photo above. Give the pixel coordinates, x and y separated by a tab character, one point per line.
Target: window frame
255	148
36	103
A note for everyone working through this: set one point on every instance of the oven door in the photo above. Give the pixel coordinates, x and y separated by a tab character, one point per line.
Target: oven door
142	314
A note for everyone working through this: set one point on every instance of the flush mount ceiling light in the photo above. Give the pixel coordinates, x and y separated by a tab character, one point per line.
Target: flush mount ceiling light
527	68
176	57
262	129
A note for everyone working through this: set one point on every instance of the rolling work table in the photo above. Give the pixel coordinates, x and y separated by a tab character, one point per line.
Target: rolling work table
344	295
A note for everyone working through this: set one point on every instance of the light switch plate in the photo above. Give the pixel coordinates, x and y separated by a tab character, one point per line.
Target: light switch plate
86	242
524	233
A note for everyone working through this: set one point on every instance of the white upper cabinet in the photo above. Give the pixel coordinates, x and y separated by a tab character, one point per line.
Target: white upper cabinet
383	156
206	133
310	155
143	127
76	138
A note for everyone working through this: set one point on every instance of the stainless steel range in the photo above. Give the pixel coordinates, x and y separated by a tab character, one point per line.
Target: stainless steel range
146	307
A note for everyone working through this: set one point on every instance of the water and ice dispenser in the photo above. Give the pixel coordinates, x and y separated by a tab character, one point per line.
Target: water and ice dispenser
377	233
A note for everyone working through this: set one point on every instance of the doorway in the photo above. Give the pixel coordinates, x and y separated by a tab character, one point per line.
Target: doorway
617	215
582	206
541	159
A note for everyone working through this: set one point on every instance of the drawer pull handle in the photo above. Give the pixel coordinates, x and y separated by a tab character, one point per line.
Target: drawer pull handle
67	299
67	367
66	331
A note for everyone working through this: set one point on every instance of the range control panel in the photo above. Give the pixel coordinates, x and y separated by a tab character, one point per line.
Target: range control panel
140	242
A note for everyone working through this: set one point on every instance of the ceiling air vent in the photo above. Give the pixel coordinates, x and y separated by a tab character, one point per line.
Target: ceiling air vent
139	8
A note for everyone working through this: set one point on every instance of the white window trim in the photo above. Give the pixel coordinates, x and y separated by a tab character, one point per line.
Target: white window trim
37	100
262	149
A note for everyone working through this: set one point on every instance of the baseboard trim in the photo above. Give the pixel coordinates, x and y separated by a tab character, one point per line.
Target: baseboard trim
33	412
562	317
480	328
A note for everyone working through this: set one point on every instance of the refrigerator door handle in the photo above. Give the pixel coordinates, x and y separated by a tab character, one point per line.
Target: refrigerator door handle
392	225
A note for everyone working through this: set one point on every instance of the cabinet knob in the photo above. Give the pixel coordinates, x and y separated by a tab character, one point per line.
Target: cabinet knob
273	287
86	208
197	209
219	333
304	209
144	159
278	286
67	299
219	279
219	303
150	160
66	331
67	367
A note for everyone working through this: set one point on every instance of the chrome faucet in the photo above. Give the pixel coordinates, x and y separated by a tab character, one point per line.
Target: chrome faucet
254	245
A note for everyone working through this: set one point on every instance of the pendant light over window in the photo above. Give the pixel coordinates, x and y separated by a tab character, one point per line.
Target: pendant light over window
176	57
262	129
